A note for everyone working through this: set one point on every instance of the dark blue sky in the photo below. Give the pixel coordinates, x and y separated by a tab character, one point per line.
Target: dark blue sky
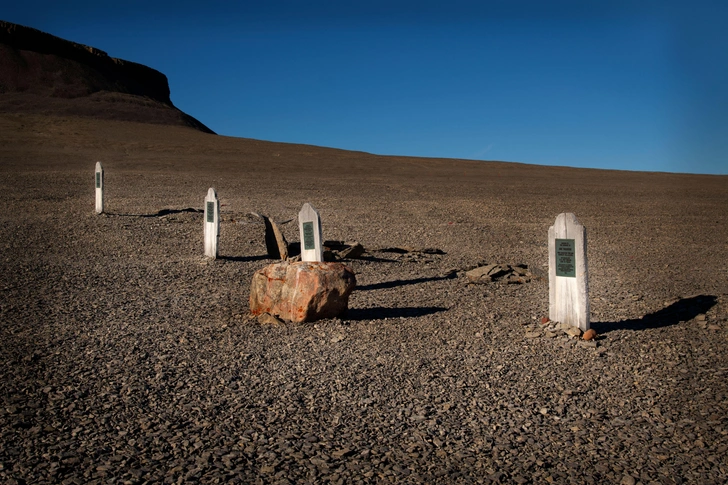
624	85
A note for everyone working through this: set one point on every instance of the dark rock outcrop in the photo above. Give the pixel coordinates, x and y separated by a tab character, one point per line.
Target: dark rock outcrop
43	73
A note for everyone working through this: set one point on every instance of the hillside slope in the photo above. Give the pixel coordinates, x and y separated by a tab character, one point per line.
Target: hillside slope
44	74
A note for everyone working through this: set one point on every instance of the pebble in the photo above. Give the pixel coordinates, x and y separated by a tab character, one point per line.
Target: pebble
589	334
627	480
573	331
268	319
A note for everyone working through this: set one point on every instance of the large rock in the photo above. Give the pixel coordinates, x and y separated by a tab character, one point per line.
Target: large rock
302	291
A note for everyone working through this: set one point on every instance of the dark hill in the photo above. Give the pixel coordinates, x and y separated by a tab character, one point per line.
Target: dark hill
42	73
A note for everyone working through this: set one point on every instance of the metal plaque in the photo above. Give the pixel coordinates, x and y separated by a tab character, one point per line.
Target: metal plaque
98	180
210	212
308	240
565	258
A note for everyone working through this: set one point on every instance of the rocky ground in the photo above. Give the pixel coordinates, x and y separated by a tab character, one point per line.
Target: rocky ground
127	357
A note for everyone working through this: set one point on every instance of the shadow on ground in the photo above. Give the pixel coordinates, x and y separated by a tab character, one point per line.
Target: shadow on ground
396	283
161	213
681	311
244	259
380	313
375	259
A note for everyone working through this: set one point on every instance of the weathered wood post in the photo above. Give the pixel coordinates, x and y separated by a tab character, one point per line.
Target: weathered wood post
568	273
309	225
212	223
99	188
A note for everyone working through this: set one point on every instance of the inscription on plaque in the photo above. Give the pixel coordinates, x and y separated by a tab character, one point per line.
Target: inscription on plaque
98	180
308	240
565	258
210	212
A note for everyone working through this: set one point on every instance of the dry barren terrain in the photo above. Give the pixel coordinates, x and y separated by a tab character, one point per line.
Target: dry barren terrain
127	357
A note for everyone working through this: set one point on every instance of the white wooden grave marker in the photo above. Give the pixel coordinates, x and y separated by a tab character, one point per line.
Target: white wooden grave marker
212	223
568	273
99	188
309	225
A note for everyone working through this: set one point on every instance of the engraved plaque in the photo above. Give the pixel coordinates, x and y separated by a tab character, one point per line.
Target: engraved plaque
308	240
210	212
565	258
98	180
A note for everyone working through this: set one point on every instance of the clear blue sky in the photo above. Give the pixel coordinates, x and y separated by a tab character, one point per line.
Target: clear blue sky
633	85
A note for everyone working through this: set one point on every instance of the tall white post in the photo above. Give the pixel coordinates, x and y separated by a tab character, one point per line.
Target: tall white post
309	225
212	223
99	188
568	273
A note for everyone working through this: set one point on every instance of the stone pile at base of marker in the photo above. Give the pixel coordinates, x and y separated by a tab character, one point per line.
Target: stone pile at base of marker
337	250
550	329
511	274
302	291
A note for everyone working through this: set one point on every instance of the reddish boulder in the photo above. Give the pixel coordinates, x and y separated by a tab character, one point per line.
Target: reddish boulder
303	291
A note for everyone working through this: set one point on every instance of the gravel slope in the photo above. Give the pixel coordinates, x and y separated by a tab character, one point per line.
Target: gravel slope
126	357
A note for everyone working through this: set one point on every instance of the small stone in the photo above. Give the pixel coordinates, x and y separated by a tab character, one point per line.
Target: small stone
627	480
701	317
591	344
713	327
498	270
342	453
319	462
545	320
589	334
533	334
355	250
480	275
268	319
520	269
550	334
573	331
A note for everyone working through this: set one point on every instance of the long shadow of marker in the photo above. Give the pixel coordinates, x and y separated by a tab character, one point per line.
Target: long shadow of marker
379	313
396	283
161	213
681	311
244	259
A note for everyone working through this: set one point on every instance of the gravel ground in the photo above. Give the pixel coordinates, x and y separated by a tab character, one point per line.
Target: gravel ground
127	357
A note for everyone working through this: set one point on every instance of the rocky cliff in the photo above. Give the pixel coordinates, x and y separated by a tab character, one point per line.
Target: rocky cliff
42	73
